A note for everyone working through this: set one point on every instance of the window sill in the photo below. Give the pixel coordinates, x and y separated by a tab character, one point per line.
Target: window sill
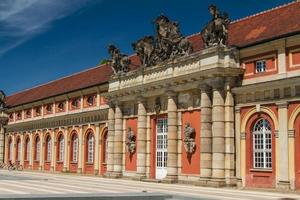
262	170
73	163
88	163
59	162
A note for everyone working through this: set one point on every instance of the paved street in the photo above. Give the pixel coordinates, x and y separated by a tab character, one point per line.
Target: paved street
33	183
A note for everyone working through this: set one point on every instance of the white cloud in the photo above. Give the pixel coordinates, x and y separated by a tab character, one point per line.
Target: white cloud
21	20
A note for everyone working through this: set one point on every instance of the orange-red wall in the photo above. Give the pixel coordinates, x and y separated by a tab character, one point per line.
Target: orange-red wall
130	162
191	163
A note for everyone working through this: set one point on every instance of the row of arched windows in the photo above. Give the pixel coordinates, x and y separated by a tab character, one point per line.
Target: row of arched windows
90	142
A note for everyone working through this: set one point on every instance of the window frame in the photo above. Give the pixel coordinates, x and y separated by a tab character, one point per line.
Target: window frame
263	63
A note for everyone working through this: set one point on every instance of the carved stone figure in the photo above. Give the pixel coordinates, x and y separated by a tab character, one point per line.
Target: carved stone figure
170	41
2	100
145	49
157	105
130	143
216	31
189	138
119	62
167	44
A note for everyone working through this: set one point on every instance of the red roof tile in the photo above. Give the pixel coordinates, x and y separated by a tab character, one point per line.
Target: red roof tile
263	26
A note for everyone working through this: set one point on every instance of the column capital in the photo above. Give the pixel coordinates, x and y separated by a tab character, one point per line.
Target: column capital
140	99
283	104
204	87
171	93
216	83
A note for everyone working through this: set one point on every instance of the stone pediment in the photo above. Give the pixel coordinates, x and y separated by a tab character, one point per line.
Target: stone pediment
212	62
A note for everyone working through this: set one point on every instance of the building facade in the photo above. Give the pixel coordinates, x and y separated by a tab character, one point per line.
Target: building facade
216	108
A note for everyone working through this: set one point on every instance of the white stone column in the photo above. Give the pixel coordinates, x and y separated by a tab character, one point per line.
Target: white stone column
141	139
172	163
53	150
80	150
110	140
283	153
229	135
97	136
148	146
6	148
118	141
218	133
65	166
206	133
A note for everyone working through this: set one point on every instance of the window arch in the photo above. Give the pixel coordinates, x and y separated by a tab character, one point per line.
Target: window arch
90	147
61	148
27	149
48	148
74	144
262	144
18	156
37	148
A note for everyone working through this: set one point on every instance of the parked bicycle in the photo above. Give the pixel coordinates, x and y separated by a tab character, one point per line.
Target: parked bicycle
14	166
3	165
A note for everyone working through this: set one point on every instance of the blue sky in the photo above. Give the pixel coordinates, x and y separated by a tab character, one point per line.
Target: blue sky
42	40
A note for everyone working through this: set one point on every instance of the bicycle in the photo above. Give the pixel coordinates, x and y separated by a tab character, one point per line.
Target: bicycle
3	165
15	166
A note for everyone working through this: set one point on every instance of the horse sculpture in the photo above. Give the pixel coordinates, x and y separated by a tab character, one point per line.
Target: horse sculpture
145	49
119	62
2	99
216	31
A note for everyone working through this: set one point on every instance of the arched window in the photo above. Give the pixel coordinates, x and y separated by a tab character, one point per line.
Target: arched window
49	149
90	148
61	149
74	148
27	152
18	149
11	147
37	149
262	144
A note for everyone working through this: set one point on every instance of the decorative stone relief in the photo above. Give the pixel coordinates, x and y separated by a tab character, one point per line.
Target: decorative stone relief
157	105
189	138
119	62
130	143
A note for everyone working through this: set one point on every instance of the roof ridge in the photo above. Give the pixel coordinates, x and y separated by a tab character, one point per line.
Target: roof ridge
58	79
265	11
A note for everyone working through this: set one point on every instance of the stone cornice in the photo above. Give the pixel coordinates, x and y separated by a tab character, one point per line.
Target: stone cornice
60	121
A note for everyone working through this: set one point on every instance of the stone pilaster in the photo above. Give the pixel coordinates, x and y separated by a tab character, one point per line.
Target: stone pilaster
65	166
110	140
22	149
53	151
80	150
218	133
229	135
141	139
283	147
6	148
118	141
14	153
148	147
172	163
97	135
3	122
31	150
206	133
238	152
42	145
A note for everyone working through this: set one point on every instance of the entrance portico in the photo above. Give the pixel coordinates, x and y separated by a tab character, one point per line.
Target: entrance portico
199	82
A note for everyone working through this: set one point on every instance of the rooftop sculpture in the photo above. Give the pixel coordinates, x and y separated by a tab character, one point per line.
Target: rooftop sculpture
119	62
216	31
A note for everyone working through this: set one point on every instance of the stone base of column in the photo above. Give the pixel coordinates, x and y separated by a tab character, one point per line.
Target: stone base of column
116	175
170	179
52	169
232	181
139	177
96	172
64	169
239	183
79	170
216	182
283	185
30	167
203	181
40	168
